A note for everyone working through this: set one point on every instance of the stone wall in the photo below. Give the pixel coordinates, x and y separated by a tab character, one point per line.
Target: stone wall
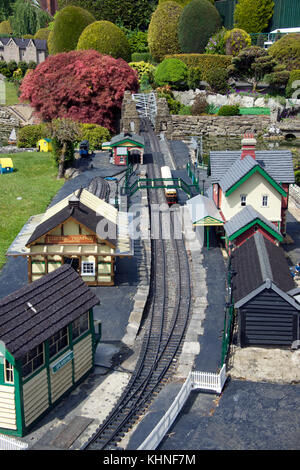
182	127
8	122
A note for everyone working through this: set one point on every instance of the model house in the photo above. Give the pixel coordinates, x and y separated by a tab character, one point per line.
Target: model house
250	189
82	230
20	49
262	289
127	148
47	345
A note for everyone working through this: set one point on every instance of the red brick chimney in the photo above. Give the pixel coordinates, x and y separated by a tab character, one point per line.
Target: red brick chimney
248	146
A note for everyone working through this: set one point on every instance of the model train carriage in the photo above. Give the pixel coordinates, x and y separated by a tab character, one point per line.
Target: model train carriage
170	193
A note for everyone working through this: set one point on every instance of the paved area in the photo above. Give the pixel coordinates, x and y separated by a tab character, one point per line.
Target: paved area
247	416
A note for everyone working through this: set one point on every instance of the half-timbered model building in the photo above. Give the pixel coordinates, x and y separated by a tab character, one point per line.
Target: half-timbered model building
264	296
250	188
82	230
47	346
127	148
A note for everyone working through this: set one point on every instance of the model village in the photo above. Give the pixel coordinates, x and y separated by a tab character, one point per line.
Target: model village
158	292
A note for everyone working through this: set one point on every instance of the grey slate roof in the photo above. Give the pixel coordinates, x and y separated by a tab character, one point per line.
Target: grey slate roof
239	169
37	311
277	163
118	138
40	44
201	207
244	217
82	214
256	262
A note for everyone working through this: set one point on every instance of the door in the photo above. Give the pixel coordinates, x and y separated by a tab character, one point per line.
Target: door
74	262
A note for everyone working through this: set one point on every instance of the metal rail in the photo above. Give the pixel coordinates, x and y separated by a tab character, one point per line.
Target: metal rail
167	313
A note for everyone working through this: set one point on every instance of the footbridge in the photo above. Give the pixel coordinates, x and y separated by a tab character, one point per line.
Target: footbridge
146	105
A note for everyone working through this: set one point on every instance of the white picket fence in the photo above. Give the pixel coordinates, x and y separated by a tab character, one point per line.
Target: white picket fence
9	443
195	381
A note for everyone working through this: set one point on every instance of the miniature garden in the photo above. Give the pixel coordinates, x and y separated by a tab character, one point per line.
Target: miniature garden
98	50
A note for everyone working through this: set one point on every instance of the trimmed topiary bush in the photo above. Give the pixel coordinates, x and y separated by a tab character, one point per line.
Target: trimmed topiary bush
68	26
28	136
163	30
236	40
42	33
194	77
205	62
253	15
229	110
198	22
294	76
171	72
287	51
106	38
95	134
218	80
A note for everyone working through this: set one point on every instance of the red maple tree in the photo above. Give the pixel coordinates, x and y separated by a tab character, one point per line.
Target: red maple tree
85	86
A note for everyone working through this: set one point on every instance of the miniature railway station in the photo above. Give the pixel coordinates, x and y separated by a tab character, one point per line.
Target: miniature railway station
48	328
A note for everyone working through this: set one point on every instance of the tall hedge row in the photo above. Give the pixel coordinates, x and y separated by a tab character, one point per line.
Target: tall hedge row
198	22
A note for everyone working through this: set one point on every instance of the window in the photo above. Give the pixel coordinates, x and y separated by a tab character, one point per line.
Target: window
33	360
80	325
58	342
8	373
243	199
88	268
265	201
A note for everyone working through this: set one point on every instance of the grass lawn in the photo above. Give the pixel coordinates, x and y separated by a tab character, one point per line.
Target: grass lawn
34	180
11	94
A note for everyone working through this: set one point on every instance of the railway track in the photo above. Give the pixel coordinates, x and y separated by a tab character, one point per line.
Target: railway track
167	314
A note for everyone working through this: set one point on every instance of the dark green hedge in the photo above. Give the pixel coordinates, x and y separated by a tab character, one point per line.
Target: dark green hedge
198	22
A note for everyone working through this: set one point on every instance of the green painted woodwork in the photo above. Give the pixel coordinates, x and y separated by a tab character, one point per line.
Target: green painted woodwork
19	381
258	169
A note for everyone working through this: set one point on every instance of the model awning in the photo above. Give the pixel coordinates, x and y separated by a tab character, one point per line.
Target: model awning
203	211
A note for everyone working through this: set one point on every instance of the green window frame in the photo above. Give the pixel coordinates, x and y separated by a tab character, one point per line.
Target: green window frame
80	326
58	342
8	372
33	360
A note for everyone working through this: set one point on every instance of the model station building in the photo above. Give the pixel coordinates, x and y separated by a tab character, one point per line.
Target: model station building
126	148
47	345
250	189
